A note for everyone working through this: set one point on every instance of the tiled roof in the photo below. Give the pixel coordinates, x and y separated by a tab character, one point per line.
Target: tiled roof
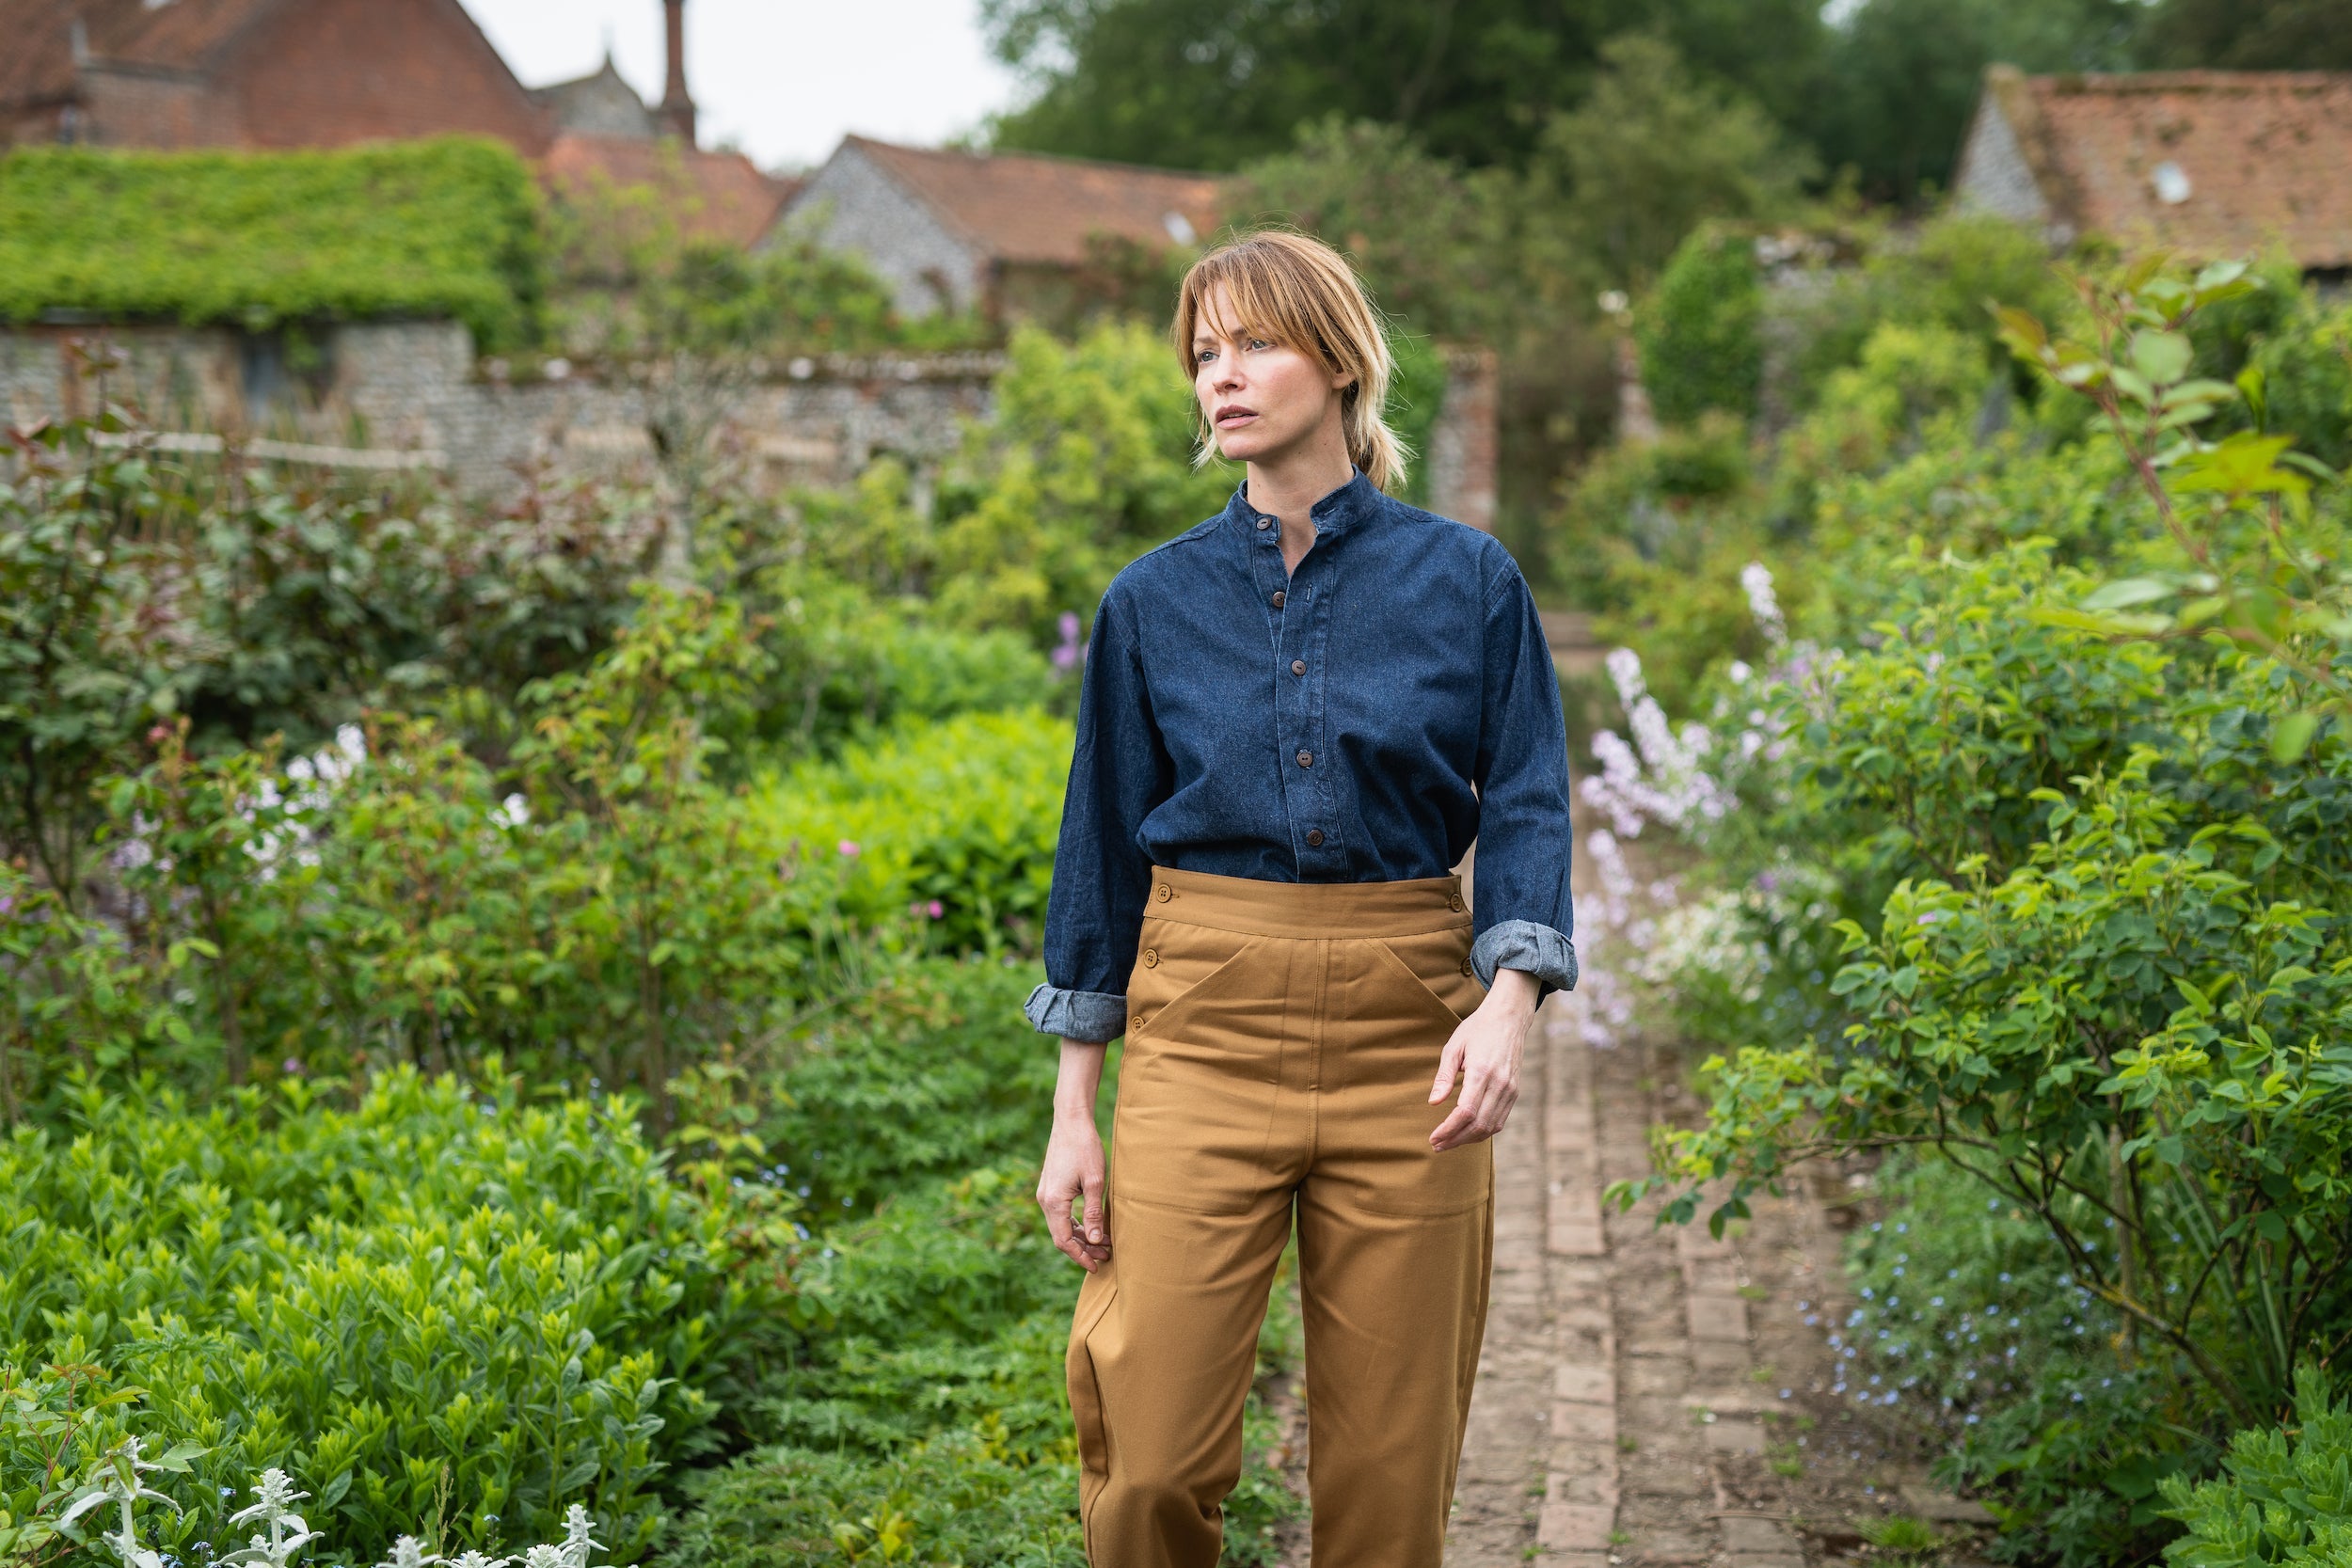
717	195
2208	163
184	35
1024	207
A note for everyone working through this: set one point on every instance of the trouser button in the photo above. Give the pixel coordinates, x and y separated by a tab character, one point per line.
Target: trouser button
1150	957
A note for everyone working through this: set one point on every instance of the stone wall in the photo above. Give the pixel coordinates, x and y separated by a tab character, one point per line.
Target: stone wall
414	392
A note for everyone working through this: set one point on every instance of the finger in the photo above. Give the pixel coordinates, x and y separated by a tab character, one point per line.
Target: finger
1449	1062
1096	1232
1057	1219
1456	1129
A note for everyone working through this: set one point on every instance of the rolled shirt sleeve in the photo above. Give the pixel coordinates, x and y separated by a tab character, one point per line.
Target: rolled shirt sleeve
1102	875
1521	916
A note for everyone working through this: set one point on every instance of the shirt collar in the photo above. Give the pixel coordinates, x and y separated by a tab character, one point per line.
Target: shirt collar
1352	504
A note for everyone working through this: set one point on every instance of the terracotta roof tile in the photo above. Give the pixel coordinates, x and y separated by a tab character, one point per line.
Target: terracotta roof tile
720	196
1027	207
2256	158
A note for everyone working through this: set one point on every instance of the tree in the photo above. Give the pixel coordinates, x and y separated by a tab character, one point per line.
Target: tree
1654	149
2250	34
1212	83
1907	74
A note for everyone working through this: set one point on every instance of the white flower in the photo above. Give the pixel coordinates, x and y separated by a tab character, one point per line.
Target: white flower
1762	603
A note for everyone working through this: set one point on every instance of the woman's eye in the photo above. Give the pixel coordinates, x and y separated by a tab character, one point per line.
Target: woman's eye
1259	343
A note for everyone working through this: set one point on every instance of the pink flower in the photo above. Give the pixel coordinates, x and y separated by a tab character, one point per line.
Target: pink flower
849	847
937	908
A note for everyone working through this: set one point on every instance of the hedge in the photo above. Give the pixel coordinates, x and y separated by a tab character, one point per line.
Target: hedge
442	227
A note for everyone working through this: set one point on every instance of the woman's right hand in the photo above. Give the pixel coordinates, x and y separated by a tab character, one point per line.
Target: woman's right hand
1074	1168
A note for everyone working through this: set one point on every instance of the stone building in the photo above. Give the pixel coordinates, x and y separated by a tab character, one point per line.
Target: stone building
999	232
2205	163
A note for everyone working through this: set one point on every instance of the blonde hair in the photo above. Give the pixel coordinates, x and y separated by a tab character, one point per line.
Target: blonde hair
1302	294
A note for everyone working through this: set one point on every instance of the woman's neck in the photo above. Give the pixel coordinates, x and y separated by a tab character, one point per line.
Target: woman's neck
1288	485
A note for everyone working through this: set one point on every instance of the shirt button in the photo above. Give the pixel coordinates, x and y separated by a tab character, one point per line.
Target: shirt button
1165	894
1265	522
1307	759
1298	666
1277	598
1314	837
1150	957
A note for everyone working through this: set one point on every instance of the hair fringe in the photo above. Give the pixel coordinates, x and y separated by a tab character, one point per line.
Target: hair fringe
1302	292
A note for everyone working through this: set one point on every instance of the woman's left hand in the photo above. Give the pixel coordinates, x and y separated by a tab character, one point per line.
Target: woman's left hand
1484	1052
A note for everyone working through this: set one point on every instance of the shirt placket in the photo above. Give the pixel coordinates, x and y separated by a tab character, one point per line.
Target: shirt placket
1300	610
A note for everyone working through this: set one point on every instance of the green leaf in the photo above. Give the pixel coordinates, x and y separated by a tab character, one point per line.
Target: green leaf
2292	735
2129	590
2163	357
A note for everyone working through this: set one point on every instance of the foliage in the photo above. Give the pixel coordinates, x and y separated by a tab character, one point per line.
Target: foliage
1701	347
1969	1320
429	1286
1909	73
931	1403
953	824
2076	776
1085	461
2255	564
1652	153
132	591
2247	35
2285	1496
442	227
1206	84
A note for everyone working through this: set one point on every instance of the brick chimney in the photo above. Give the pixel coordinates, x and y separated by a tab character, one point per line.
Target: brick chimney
677	110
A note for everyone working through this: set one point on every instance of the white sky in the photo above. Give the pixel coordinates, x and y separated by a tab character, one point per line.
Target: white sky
782	79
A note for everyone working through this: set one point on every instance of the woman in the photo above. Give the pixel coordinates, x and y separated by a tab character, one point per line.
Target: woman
1295	717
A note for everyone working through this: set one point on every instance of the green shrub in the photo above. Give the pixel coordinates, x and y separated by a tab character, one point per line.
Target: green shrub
2286	1496
432	1285
961	814
929	1401
1700	332
929	1072
442	227
1969	1322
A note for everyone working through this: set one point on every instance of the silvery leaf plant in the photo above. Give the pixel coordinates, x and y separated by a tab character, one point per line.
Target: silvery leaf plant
283	1534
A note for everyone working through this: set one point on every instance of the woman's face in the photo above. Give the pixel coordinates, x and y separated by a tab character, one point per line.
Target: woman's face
1262	398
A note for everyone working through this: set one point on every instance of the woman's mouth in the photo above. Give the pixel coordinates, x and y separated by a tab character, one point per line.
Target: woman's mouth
1235	414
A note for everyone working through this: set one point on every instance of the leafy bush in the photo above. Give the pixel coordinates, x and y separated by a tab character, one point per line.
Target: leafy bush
1083	462
1702	345
132	591
953	823
2285	1497
928	1409
1969	1320
429	1286
440	228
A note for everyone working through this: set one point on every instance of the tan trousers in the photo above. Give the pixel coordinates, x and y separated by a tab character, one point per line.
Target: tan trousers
1281	1043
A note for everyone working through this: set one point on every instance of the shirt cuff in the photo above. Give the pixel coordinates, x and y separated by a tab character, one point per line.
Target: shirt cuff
1545	954
1092	1016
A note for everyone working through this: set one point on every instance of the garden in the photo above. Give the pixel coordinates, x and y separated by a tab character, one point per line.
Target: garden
2005	615
511	1048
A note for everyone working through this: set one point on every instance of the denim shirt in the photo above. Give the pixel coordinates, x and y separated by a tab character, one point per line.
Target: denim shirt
1361	719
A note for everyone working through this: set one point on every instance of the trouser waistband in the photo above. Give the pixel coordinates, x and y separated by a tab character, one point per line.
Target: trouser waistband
1307	910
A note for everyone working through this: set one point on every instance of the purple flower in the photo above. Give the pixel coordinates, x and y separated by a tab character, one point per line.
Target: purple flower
849	848
937	908
1070	652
